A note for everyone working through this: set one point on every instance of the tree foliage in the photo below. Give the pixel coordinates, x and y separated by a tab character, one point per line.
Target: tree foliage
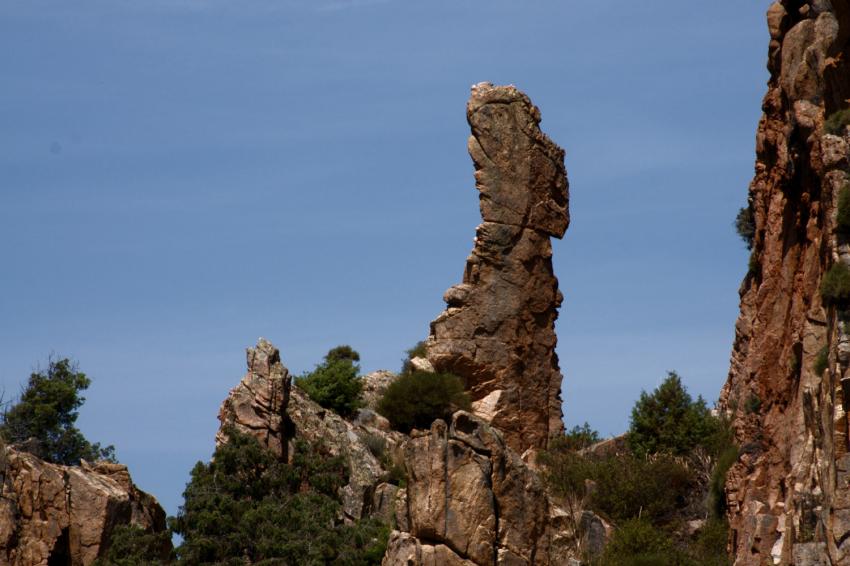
669	420
416	399
43	419
745	225
334	383
835	285
131	545
246	506
577	438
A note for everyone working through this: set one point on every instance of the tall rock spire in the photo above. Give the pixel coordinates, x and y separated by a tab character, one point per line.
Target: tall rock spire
498	331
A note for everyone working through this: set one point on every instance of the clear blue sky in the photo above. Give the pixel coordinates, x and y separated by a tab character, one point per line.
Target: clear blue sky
178	178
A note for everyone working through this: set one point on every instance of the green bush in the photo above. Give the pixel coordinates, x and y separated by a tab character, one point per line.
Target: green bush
625	486
669	420
416	399
710	547
342	353
837	122
246	506
130	545
419	350
638	543
43	420
821	361
842	217
334	384
835	285
745	225
577	438
717	483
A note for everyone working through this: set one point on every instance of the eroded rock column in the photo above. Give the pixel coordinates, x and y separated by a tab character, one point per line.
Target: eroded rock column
498	331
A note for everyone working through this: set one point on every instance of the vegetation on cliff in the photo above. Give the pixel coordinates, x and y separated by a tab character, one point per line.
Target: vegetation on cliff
668	471
247	506
334	383
43	419
418	398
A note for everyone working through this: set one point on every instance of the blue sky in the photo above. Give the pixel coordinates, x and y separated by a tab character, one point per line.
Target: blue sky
178	178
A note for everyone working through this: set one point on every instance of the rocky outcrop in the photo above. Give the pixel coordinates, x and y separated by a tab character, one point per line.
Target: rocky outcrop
257	405
470	499
498	331
266	405
788	495
65	515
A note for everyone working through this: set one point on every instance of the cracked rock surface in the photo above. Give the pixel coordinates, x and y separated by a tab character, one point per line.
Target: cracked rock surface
52	514
498	331
788	494
470	499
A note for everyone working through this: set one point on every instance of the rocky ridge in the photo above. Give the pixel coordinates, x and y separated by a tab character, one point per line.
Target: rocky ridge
498	330
788	495
65	515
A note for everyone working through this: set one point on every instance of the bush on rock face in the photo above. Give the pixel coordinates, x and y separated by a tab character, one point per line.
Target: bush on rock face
745	225
416	399
837	122
334	383
835	285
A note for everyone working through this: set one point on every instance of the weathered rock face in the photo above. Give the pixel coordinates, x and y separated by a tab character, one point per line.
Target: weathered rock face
498	330
51	514
788	494
470	499
257	406
267	406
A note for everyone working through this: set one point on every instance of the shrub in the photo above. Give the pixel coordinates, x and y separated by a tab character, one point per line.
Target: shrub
745	225
638	543
753	265
821	361
577	438
245	506
416	399
842	217
710	547
753	404
837	122
625	486
342	353
334	383
717	484
835	286
419	350
668	420
43	420
130	545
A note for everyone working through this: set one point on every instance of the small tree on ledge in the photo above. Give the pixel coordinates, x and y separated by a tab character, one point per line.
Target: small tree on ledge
43	420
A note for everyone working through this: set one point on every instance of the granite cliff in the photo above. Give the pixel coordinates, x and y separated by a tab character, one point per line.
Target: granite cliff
788	495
